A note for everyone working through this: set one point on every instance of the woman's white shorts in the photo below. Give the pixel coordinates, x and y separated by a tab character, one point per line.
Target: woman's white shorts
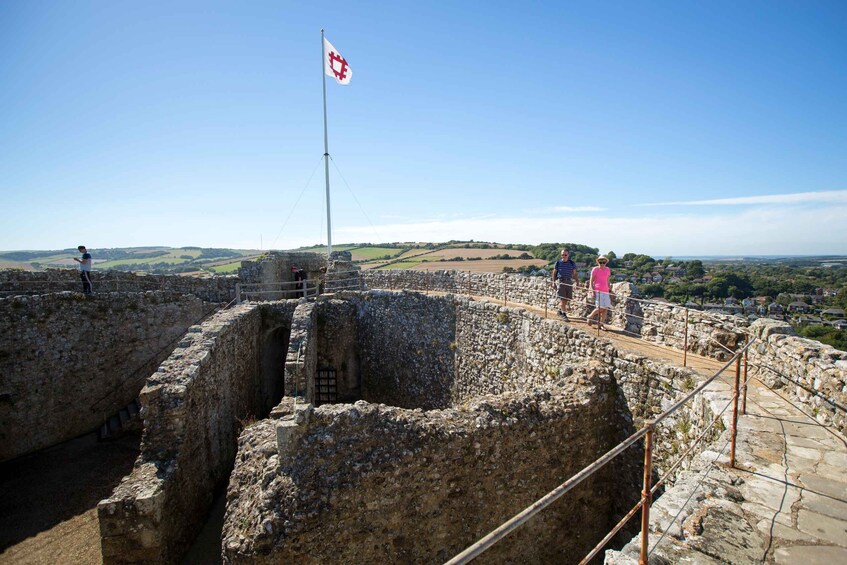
602	300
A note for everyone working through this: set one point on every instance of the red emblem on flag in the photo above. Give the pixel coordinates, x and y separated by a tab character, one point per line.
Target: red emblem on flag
338	64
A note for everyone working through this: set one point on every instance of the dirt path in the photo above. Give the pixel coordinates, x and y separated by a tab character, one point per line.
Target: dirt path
48	500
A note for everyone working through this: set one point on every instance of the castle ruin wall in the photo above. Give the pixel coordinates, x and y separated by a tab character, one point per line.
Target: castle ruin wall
67	362
548	356
215	289
710	334
193	408
369	483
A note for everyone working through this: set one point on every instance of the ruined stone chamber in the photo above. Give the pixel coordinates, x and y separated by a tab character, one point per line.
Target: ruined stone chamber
450	417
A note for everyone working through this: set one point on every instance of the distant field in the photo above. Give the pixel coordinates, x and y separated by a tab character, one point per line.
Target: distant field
367	253
450	253
227	268
482	266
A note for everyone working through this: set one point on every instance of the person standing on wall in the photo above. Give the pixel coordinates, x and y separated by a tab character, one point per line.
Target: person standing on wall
300	278
84	269
599	283
564	279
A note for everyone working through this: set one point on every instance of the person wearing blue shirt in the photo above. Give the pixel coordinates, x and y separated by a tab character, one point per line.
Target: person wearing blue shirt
564	279
84	269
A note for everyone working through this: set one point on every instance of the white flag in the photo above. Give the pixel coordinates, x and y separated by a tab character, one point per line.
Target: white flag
335	65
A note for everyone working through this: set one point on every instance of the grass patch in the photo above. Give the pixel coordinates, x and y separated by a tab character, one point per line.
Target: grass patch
228	268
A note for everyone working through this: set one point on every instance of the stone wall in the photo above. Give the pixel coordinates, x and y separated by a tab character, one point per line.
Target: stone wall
813	374
68	361
365	483
405	348
709	334
212	289
358	473
193	409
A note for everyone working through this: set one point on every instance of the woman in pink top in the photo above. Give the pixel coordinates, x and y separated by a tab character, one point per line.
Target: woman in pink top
599	282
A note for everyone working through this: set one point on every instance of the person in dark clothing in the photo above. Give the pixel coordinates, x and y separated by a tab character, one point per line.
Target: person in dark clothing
565	278
300	277
84	269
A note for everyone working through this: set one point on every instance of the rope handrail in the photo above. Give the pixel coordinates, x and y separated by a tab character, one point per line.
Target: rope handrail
519	519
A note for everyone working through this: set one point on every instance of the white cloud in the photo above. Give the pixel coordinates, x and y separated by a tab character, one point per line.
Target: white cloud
823	197
765	231
577	209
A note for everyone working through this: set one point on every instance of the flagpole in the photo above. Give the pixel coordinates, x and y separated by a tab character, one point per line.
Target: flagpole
326	153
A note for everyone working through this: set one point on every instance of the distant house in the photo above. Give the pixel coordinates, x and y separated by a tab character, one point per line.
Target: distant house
620	277
775	309
748	303
657	278
692	305
807	320
798	307
834	312
840	324
730	300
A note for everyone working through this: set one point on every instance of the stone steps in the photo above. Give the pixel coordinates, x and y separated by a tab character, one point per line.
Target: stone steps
117	423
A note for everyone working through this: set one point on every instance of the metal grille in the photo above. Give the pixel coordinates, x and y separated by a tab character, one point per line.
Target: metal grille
325	389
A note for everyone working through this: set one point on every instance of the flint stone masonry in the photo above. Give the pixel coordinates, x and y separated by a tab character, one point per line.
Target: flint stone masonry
212	289
192	408
67	361
709	334
812	373
365	483
300	502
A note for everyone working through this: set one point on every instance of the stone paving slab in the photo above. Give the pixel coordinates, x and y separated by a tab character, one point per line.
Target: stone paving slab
810	555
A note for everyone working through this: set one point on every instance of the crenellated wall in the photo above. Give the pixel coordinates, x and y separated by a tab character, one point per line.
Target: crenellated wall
68	361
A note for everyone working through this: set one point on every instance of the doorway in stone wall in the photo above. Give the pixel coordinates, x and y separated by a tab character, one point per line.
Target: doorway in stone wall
274	350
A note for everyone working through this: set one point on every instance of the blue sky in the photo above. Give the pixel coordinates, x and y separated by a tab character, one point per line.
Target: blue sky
668	128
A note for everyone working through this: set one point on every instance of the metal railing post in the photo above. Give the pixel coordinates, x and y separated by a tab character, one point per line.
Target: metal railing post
735	409
744	387
646	495
685	342
238	293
